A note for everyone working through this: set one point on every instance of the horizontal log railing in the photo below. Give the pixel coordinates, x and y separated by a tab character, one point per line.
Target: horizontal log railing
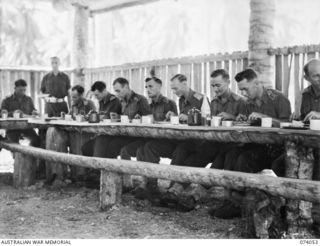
288	188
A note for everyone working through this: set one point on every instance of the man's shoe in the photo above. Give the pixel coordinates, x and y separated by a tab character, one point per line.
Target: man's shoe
227	211
168	200
186	203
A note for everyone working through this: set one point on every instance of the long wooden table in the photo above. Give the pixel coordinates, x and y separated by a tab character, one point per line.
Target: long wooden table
299	146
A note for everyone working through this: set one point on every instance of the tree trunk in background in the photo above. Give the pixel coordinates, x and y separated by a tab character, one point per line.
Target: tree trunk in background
261	38
80	47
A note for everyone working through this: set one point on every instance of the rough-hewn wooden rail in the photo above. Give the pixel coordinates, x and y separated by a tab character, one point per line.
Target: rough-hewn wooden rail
288	188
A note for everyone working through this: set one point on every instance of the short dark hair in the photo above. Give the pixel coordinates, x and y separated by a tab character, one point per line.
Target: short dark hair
20	82
155	79
98	85
122	81
78	88
179	77
248	74
224	74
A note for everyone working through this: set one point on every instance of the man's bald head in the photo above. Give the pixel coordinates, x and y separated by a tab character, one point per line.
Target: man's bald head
310	64
312	73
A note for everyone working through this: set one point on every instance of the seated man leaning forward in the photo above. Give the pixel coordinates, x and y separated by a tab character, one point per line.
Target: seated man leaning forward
188	99
108	103
252	158
80	105
22	103
310	105
225	104
134	106
160	106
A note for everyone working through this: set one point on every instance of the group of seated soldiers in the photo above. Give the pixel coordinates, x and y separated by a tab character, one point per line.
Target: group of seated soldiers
255	103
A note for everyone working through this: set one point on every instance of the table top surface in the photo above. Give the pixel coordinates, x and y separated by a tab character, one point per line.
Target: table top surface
241	134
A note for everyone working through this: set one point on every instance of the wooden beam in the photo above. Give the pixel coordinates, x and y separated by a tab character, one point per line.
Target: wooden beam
288	188
121	6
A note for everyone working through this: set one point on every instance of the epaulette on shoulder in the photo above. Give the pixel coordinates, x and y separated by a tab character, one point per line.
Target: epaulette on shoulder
236	97
165	100
307	90
272	94
198	96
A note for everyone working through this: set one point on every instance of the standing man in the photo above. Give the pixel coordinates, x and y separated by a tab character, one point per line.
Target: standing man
252	158
134	106
22	103
108	103
160	106
56	85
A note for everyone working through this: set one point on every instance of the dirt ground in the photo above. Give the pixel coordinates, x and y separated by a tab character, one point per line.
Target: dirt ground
74	213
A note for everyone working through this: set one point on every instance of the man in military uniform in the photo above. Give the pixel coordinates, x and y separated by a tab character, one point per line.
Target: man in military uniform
56	84
160	106
80	105
188	99
228	106
19	102
252	158
310	105
108	103
134	106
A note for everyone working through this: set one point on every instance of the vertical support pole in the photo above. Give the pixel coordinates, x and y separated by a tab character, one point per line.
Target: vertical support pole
56	140
299	165
80	47
261	38
77	139
110	189
24	173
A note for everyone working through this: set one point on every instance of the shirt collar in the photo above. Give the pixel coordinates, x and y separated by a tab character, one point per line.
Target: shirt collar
15	96
265	96
314	93
189	97
229	97
158	99
80	103
129	97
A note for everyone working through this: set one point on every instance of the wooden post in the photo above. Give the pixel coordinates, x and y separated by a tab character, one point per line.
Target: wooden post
77	139
24	173
80	47
56	140
261	38
110	189
299	165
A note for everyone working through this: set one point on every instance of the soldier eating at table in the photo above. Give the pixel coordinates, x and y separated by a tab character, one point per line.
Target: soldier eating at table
108	103
262	102
160	106
21	103
188	99
56	85
134	106
80	105
310	106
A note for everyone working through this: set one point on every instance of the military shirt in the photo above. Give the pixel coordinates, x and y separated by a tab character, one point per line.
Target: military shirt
161	106
310	102
135	104
14	102
55	85
273	103
193	100
110	104
82	106
234	105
